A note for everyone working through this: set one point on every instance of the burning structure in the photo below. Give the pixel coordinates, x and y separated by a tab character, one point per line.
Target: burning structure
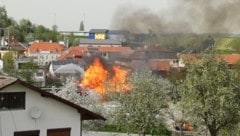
100	78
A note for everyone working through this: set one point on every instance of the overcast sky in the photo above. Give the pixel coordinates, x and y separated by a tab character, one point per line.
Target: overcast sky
67	14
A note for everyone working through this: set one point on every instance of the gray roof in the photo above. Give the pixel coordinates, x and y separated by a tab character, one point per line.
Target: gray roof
100	42
64	62
69	69
118	32
98	31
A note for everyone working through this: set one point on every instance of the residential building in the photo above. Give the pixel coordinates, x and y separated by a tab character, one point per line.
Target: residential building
109	53
153	58
98	43
39	73
119	35
98	34
26	110
231	59
61	69
44	52
74	52
17	47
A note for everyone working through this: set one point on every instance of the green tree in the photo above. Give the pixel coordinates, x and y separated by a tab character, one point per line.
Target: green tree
8	63
141	108
3	17
26	72
25	26
45	34
14	32
11	22
40	33
90	100
210	94
73	40
26	29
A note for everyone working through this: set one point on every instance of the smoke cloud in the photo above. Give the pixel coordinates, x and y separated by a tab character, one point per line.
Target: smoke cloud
187	16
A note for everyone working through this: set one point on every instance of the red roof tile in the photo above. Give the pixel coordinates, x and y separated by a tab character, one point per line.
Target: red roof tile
114	49
159	65
189	58
79	51
231	58
46	46
71	52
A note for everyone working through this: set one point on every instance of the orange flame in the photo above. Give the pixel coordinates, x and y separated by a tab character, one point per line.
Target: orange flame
120	79
96	78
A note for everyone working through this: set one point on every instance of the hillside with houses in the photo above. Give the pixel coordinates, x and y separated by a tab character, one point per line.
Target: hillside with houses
116	81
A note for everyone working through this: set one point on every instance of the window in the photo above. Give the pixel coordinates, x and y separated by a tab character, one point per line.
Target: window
59	132
12	100
27	133
39	74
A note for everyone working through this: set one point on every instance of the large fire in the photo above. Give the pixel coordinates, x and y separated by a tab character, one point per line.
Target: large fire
119	79
97	78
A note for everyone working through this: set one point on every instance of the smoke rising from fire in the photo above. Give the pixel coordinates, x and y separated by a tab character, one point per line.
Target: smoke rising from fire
185	16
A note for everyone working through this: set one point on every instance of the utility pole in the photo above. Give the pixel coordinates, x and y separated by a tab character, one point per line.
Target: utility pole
1	35
4	33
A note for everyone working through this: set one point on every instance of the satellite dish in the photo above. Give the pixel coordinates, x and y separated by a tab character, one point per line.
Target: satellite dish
35	112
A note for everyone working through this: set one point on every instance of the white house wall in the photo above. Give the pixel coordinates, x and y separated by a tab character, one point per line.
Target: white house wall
54	115
43	58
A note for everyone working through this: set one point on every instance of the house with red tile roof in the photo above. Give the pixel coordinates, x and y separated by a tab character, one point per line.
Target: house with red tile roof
44	52
74	52
18	47
231	59
184	59
105	52
154	58
159	65
98	43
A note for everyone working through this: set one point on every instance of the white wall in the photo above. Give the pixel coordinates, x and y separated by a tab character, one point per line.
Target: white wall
54	115
44	57
1	65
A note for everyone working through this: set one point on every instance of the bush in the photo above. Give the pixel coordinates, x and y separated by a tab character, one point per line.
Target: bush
162	130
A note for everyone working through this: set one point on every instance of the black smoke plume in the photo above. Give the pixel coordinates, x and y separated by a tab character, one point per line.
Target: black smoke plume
186	16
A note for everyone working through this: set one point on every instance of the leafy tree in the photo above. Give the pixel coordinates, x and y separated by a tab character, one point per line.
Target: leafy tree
26	72
8	63
25	26
40	33
90	100
141	108
174	76
72	40
26	29
208	43
54	28
11	22
3	17
210	94
14	32
45	34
